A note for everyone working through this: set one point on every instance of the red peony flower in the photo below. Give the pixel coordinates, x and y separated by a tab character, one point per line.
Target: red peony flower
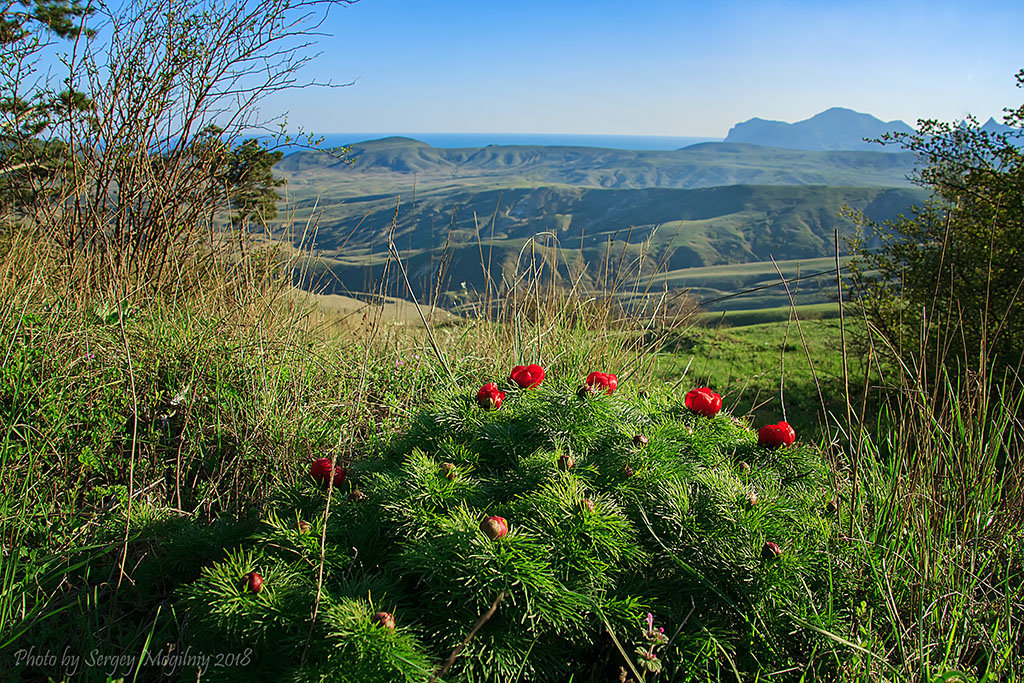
494	527
320	470
603	380
339	476
776	435
527	376
489	397
704	402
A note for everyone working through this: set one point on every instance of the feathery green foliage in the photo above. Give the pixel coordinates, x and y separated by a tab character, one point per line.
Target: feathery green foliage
665	527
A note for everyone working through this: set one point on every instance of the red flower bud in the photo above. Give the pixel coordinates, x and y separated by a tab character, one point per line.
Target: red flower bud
704	402
566	462
494	527
751	499
339	476
776	435
744	467
527	376
253	582
640	440
357	496
489	397
447	470
588	505
320	470
385	620
770	551
602	380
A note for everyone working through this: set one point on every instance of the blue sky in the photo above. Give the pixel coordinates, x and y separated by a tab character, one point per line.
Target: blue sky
654	67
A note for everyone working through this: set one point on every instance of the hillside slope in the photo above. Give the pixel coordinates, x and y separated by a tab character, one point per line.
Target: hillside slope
661	228
703	165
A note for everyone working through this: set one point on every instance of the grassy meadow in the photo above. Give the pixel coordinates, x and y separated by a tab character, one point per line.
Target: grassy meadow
513	413
148	438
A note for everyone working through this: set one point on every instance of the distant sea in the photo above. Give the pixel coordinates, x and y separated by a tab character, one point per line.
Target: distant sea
646	142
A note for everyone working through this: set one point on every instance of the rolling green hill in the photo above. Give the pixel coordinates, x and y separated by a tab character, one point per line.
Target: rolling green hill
582	212
655	231
703	165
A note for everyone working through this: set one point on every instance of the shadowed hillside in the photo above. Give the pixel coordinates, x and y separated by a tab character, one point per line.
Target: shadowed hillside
455	214
703	165
658	229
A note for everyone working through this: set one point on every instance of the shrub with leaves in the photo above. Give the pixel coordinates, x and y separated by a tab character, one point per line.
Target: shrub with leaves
690	552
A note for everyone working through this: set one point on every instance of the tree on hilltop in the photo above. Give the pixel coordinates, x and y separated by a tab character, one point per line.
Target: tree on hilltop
948	279
143	142
27	109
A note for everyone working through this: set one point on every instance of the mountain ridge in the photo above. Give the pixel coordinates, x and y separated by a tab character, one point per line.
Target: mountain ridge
708	164
834	129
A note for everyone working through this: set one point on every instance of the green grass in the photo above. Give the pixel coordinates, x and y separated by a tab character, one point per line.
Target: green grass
763	370
141	442
758	316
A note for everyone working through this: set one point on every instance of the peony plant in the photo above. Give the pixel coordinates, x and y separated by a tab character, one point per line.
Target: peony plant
522	541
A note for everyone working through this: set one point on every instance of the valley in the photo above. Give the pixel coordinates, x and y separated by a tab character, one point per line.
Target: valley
464	220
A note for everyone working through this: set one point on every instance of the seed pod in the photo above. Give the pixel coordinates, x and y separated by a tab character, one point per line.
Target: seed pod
566	462
494	527
628	471
832	507
447	470
586	391
304	526
770	551
253	582
640	440
744	467
385	620
751	499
